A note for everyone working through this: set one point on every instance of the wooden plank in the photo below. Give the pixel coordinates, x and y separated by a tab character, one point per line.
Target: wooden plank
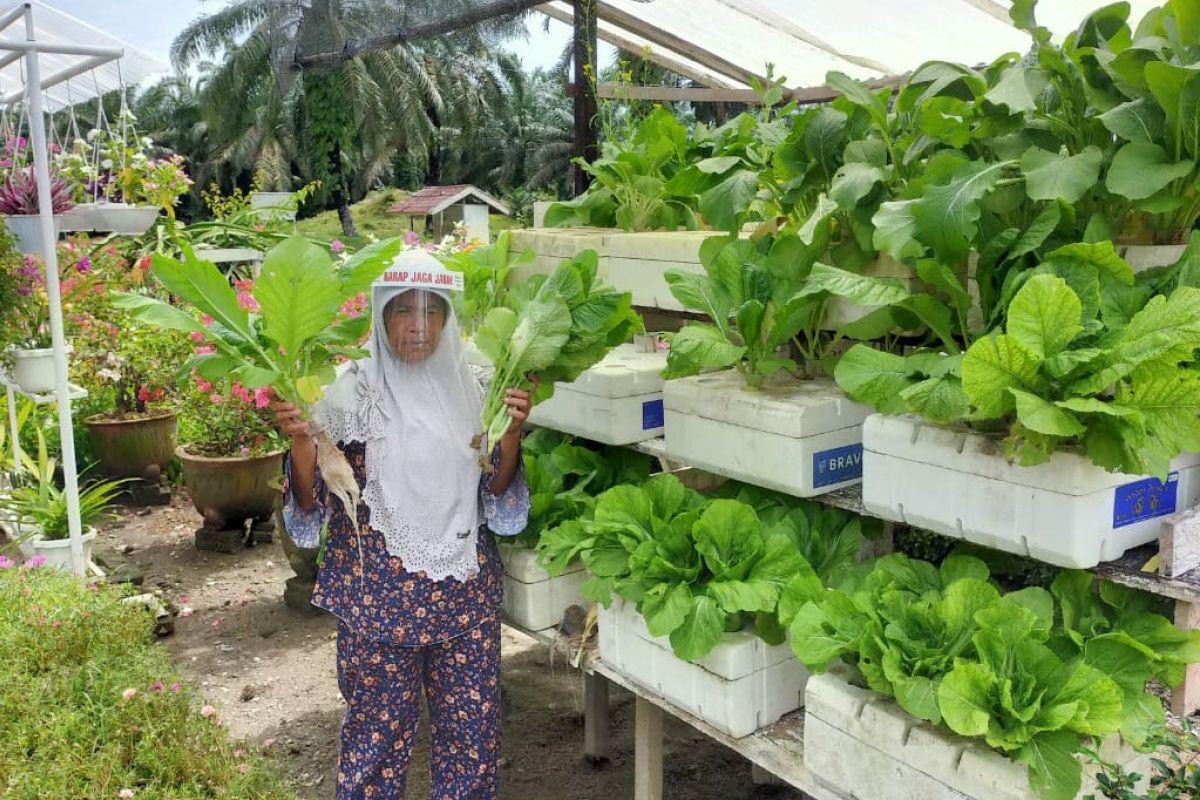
595	717
1185	698
1179	543
1127	571
647	748
696	94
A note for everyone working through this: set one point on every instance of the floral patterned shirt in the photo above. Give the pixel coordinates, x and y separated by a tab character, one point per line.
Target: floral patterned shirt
384	601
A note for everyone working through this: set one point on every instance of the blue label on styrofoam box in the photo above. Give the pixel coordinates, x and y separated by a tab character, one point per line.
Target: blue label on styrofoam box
652	414
837	465
1144	499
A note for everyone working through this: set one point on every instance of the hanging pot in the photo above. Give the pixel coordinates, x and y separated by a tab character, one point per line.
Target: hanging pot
83	218
123	218
26	230
33	370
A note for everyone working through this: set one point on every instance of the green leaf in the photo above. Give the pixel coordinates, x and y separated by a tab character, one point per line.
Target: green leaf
874	377
666	607
896	229
1043	416
699	346
875	104
947	215
940	400
1136	121
298	294
1054	773
963	698
719	165
751	595
1059	176
1015	90
813	643
700	293
700	631
1141	169
368	263
156	312
859	289
824	209
993	365
853	182
201	285
1044	316
495	332
722	204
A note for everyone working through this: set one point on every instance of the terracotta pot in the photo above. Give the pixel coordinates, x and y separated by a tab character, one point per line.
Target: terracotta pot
228	491
134	448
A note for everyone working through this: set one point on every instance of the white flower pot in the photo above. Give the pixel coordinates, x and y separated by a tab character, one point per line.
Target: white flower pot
26	230
33	370
58	551
123	218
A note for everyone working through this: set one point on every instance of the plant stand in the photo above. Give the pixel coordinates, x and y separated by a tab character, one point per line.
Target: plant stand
220	540
298	589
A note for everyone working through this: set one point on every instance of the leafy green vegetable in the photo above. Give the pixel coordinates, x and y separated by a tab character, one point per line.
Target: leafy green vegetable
563	324
485	270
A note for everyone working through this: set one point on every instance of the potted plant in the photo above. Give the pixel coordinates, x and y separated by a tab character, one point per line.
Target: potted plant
129	207
40	508
19	205
75	165
232	456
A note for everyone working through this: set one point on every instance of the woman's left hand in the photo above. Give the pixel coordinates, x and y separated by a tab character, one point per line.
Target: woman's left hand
519	401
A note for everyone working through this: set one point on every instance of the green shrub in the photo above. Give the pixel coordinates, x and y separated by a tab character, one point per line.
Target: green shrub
91	707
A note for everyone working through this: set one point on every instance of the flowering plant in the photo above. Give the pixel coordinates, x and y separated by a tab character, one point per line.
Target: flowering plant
26	322
225	422
76	167
16	150
165	182
19	194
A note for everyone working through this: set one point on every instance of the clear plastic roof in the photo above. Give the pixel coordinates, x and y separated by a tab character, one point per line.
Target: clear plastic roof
721	43
52	26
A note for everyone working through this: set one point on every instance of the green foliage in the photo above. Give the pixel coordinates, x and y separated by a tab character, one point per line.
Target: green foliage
71	652
1035	674
485	270
559	326
697	566
41	504
1174	775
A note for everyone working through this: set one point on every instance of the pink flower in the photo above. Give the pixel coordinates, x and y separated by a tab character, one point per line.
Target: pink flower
196	336
205	387
262	397
239	753
242	768
205	349
129	693
35	562
336	246
412	239
207	711
175	687
156	686
214	398
245	452
206	320
246	302
6	562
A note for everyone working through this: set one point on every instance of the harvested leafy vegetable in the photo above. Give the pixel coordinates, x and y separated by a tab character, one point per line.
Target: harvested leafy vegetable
291	343
558	326
485	270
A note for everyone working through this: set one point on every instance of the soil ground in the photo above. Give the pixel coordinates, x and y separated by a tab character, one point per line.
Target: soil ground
271	672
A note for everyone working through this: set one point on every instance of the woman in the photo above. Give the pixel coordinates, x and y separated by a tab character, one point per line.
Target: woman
416	589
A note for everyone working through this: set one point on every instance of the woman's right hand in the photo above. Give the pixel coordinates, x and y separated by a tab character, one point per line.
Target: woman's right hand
288	419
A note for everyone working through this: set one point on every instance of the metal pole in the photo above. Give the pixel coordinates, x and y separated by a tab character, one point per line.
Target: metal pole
41	165
16	433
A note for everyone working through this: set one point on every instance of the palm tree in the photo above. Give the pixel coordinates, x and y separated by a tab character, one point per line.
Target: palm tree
343	125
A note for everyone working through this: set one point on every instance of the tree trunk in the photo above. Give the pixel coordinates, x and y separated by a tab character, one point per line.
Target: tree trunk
341	197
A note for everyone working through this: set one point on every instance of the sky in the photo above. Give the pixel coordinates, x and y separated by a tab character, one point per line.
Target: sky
151	25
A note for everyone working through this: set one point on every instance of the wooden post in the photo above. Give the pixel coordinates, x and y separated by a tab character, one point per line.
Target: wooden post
595	717
647	751
1185	698
586	79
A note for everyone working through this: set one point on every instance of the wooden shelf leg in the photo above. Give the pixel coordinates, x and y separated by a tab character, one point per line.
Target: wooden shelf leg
1185	698
595	717
760	777
647	749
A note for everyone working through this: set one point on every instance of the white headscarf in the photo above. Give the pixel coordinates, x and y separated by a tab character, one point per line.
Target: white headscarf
417	421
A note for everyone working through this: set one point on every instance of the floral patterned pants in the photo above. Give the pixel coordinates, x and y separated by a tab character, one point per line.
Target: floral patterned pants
382	685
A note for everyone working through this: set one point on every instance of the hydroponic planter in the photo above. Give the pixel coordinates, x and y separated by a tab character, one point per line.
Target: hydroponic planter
637	263
550	246
533	599
744	684
1066	511
619	401
799	437
864	745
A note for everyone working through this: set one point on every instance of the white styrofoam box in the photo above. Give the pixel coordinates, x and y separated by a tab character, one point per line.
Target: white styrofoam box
619	401
551	245
637	263
1141	257
1067	511
744	684
532	598
864	745
799	437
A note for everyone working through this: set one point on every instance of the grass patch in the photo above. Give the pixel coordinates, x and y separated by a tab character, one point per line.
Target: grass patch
370	217
91	707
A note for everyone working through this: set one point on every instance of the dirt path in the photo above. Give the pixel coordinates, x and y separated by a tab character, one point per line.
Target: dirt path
270	671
